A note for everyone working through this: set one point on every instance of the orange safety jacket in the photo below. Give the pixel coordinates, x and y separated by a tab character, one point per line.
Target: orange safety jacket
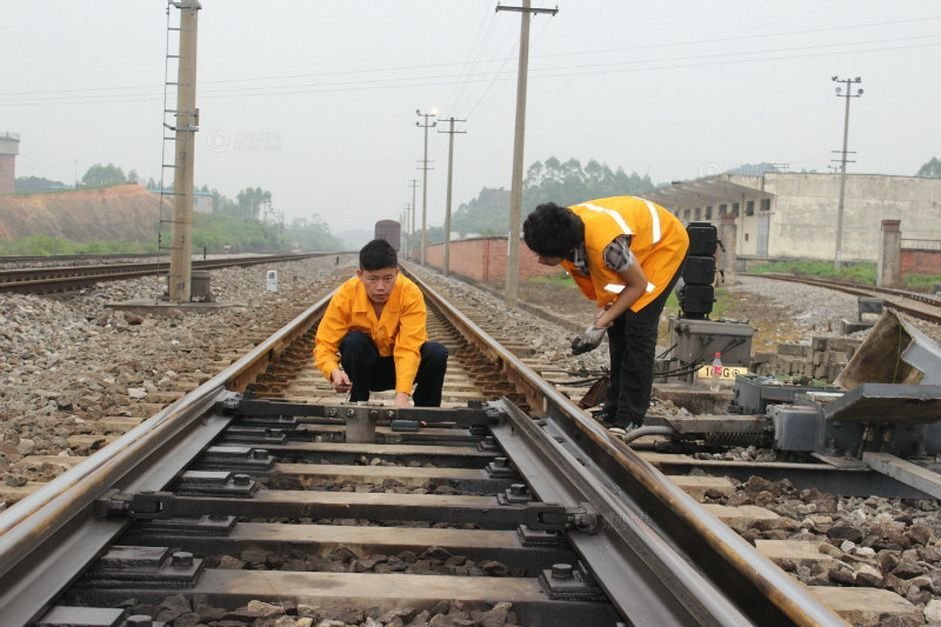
399	332
658	241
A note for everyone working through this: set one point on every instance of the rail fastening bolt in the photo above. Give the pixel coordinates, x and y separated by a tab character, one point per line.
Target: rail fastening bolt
500	462
562	571
139	620
259	453
350	413
181	558
518	489
241	479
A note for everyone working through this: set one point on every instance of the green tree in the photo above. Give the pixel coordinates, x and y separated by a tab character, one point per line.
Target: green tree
568	183
251	200
103	175
36	184
311	234
488	214
564	183
931	169
223	205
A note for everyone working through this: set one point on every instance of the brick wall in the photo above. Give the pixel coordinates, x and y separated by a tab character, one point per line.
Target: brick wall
822	359
920	261
484	260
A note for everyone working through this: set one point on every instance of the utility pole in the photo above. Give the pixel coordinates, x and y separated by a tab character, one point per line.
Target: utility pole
516	191
414	185
424	179
185	127
447	209
838	257
404	229
402	216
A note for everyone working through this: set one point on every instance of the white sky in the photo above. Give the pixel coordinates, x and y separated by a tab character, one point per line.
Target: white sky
326	92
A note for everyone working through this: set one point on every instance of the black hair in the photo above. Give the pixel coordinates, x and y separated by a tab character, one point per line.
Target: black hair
553	231
378	255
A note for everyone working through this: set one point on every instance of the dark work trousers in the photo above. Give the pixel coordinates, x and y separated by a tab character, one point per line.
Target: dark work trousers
632	343
370	372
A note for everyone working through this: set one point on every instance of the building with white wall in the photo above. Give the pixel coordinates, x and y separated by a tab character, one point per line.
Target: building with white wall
9	147
794	215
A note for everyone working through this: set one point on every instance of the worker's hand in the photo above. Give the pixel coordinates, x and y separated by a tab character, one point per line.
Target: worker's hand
402	399
589	340
340	380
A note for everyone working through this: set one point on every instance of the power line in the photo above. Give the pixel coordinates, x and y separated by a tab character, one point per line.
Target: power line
383	70
579	71
473	56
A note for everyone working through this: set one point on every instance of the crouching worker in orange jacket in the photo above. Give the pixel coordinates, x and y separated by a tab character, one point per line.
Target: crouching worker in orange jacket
376	322
625	253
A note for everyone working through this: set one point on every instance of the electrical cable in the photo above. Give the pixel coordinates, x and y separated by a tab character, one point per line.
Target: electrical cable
427	81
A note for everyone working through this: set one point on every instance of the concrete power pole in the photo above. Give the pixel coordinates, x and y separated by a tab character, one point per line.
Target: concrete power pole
403	229
424	180
186	125
838	257
414	185
516	191
403	252
447	209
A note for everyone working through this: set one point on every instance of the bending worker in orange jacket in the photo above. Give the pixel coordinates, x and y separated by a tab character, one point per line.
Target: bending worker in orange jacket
626	254
376	321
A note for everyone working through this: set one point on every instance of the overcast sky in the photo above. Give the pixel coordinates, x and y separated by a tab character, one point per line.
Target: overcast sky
315	101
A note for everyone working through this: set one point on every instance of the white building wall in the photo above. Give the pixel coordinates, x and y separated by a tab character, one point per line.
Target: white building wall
802	212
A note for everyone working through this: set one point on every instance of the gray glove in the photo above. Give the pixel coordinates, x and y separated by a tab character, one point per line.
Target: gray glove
589	340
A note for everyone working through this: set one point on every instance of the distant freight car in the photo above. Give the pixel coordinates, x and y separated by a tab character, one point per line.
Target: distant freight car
390	231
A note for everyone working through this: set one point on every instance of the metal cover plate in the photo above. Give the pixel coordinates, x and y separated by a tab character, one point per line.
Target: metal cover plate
62	615
887	402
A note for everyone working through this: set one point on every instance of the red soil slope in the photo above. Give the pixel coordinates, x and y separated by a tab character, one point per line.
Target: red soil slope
123	212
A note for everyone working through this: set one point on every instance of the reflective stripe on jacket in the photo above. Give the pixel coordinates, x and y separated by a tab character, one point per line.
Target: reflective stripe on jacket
399	332
658	240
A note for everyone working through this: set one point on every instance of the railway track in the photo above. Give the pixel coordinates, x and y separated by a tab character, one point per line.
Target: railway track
39	280
923	306
238	492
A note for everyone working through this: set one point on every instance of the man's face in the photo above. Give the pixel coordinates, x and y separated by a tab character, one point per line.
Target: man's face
548	261
378	283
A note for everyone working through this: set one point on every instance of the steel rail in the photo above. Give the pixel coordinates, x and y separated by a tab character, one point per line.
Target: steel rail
761	590
38	279
56	529
47	538
867	290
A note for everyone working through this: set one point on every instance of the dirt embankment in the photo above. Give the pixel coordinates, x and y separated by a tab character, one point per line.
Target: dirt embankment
123	212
